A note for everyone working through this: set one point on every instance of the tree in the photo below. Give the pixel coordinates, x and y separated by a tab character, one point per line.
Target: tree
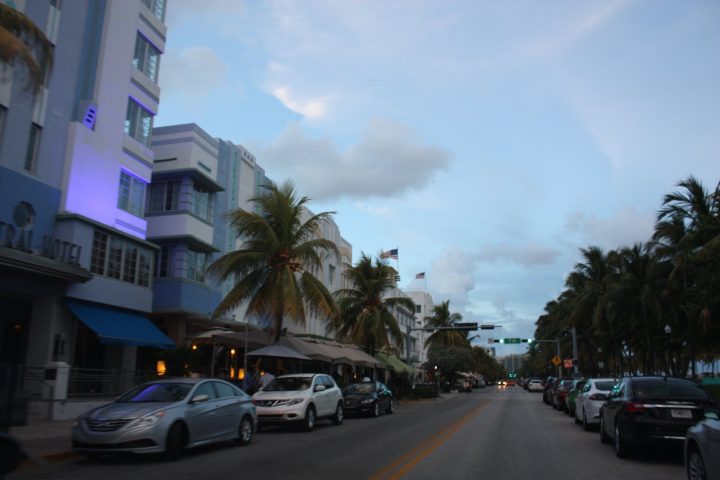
366	315
274	270
442	318
23	41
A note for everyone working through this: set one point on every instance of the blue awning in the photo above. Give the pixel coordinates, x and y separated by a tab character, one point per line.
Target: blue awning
119	327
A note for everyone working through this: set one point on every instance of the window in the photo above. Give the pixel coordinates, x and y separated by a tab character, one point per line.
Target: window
120	259
32	147
163	261
164	196
202	204
99	253
157	7
138	122
146	57
206	389
196	265
331	275
418	309
131	194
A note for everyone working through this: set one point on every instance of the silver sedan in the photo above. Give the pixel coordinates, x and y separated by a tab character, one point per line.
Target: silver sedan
702	446
167	416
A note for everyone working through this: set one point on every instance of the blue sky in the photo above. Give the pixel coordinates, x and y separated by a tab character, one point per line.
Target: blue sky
487	141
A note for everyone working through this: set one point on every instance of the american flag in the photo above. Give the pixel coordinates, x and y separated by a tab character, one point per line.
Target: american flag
420	276
390	254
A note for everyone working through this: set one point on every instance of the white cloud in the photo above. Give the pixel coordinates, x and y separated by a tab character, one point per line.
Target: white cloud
530	255
626	227
388	161
312	109
194	72
382	210
453	278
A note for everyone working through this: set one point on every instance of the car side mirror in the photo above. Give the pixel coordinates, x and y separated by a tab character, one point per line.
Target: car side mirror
319	388
199	399
712	415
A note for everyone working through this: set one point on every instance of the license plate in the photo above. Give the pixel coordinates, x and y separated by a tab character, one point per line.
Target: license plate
681	413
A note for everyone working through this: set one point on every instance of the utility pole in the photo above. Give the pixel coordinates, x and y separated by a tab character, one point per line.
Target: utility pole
576	370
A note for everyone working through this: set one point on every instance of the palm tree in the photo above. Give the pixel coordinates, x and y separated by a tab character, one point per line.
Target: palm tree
442	318
366	315
274	269
23	41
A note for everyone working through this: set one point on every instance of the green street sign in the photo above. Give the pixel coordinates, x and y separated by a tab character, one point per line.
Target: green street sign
511	340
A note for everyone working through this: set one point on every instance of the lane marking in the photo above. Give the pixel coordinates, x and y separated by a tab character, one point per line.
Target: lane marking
408	461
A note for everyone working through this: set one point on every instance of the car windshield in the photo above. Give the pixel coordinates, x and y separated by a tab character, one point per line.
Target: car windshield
663	389
288	384
156	392
604	386
360	388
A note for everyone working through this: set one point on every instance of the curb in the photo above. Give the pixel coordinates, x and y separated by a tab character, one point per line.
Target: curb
31	463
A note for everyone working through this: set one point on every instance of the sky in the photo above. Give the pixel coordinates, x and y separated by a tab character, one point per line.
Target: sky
487	141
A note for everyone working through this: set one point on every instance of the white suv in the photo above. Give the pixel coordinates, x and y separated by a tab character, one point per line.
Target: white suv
302	397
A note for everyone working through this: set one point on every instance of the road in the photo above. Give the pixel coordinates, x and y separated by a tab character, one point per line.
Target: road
489	433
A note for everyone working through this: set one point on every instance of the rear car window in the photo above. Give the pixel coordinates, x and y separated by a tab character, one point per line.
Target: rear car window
669	389
604	386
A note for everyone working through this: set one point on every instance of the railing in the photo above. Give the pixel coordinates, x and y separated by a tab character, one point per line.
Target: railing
95	383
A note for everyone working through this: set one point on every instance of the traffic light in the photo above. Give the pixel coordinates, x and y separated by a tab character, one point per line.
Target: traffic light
465	326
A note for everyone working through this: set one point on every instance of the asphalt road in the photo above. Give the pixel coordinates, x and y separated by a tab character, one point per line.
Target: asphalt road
490	433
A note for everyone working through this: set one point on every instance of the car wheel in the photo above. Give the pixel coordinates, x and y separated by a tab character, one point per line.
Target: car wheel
174	442
376	410
603	436
622	449
337	419
391	406
309	422
695	465
585	424
245	431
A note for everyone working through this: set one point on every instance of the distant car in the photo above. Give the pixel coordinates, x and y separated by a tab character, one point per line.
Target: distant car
702	445
641	410
550	384
589	400
463	384
300	398
572	394
167	416
372	398
535	385
560	395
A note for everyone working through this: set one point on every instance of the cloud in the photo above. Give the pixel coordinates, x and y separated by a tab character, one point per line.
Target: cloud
187	10
388	161
530	255
626	227
194	73
312	109
382	210
453	278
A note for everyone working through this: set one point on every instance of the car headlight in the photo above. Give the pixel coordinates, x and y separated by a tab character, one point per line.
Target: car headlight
295	401
367	401
148	420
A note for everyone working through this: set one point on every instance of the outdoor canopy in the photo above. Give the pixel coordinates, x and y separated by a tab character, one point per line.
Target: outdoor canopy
394	363
120	327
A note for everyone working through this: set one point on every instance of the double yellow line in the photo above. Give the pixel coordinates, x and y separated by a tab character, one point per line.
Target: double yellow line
407	462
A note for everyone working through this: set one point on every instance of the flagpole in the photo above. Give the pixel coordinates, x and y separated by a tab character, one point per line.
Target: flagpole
397	249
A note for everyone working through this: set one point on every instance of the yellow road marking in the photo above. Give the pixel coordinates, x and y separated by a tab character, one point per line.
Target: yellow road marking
408	461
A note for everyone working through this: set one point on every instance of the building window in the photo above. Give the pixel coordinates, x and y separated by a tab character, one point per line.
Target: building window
99	253
33	147
202	202
131	194
418	309
164	196
120	259
157	7
146	57
163	262
196	265
331	276
138	122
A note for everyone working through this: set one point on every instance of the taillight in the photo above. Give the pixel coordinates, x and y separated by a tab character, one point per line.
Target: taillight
634	407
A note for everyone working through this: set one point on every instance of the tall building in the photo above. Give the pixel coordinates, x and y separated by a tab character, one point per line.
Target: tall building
75	265
423	308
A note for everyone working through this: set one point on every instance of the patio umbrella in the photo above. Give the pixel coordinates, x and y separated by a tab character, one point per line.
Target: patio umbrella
278	351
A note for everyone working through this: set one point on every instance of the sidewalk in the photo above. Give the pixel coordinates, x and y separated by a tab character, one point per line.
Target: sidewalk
44	442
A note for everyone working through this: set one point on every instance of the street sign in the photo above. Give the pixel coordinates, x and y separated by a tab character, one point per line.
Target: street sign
568	363
487	327
512	340
556	360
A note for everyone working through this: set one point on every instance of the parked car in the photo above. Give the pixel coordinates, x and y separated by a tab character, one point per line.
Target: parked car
535	385
572	394
702	445
547	395
463	384
372	398
589	400
641	410
300	398
167	416
560	395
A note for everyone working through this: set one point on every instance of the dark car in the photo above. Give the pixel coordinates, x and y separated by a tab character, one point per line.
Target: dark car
549	392
371	398
642	410
561	393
